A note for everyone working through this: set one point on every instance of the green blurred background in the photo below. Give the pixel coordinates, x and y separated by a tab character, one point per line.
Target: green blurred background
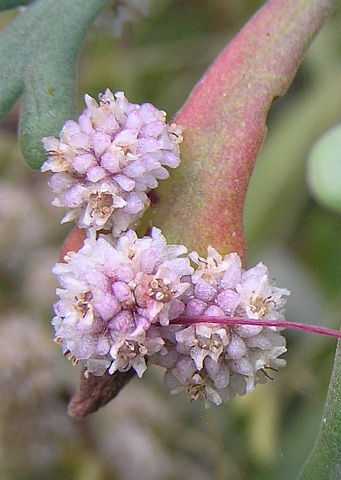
145	433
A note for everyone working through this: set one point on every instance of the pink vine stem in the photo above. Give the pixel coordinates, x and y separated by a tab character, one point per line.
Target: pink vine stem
255	321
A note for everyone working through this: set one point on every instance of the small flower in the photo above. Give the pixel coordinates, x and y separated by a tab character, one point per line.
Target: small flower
113	291
259	297
215	362
105	164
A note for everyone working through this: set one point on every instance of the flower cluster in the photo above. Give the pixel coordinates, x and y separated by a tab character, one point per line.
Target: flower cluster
126	299
214	362
107	162
123	302
113	294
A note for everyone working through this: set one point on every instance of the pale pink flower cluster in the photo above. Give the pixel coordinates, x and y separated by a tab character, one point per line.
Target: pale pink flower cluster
215	362
107	162
113	292
126	299
122	301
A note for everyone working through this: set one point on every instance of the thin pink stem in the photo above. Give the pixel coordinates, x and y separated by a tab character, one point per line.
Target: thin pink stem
255	321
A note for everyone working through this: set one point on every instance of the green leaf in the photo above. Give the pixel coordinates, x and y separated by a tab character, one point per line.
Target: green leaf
38	56
324	462
324	170
224	124
14	55
9	4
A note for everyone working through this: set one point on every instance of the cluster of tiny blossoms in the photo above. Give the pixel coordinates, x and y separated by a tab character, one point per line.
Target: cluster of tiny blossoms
125	300
107	162
215	361
113	293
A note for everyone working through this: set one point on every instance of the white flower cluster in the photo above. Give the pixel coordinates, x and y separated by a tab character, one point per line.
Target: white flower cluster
113	292
125	299
107	162
215	362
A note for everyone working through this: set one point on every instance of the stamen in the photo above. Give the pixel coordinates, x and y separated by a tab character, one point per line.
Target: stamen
266	374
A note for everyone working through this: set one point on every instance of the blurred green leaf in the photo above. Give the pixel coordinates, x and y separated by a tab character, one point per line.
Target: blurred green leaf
38	56
324	170
324	462
8	4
